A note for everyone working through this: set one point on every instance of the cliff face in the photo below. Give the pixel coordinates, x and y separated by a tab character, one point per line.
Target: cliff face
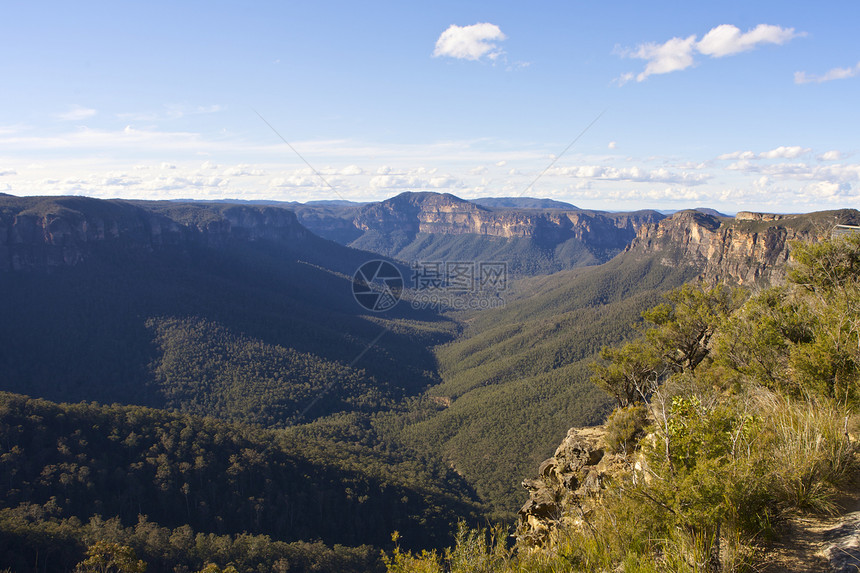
444	214
41	233
751	248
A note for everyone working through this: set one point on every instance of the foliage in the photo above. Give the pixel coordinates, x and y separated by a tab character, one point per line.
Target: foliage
678	340
212	568
33	536
826	266
683	327
748	407
476	550
624	428
104	557
810	451
219	478
405	562
803	339
628	372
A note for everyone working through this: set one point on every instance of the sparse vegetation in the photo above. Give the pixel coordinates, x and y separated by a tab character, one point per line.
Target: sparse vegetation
624	428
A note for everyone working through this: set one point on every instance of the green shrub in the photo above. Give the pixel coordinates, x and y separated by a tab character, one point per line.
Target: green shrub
625	427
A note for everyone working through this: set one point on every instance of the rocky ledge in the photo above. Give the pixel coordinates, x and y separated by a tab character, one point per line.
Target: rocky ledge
568	486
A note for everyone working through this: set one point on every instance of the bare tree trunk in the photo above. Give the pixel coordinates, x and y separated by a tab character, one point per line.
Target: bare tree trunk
714	563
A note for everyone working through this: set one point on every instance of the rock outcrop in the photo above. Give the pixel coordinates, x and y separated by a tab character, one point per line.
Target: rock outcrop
567	487
43	233
752	248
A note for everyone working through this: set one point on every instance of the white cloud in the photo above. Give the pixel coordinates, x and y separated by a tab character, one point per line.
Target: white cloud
116	180
470	42
416	179
738	155
678	53
394	182
445	182
821	181
828	190
832	155
150	164
783	152
242	170
197	183
517	66
834	74
7	172
674	55
296	181
635	174
351	170
612	145
762	182
11	129
77	113
624	78
214	108
727	40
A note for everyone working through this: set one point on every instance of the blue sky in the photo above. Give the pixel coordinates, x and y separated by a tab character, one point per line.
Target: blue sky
732	105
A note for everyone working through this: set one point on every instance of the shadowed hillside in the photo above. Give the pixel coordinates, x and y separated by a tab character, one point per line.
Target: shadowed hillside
220	310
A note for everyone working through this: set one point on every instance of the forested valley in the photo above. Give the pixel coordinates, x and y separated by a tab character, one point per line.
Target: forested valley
202	392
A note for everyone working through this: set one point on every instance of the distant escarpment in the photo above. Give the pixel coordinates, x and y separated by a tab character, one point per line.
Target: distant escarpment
428	226
751	248
46	232
445	214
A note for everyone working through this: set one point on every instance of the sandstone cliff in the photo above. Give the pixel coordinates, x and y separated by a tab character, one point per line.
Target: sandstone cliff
751	248
42	232
409	214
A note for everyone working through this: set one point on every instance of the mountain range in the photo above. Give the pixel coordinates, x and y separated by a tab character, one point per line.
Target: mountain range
531	236
244	313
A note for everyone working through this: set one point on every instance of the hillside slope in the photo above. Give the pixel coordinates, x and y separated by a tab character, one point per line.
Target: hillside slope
518	377
149	467
233	311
